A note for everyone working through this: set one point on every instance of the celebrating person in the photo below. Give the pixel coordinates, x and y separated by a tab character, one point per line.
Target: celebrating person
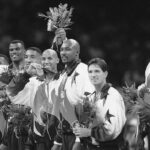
108	111
45	122
16	53
21	91
73	85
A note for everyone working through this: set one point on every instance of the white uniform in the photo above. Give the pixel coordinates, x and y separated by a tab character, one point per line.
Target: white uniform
109	116
26	96
75	87
44	99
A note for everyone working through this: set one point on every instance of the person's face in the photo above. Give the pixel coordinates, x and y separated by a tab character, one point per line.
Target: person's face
96	74
3	61
32	57
68	53
16	52
49	61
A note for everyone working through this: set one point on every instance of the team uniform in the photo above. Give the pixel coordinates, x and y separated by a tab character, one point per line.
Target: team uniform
73	84
45	123
24	94
17	81
108	120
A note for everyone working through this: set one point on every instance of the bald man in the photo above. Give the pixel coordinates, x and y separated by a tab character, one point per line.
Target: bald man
45	122
74	84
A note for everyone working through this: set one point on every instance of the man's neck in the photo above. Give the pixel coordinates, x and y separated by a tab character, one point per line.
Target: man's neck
49	76
18	65
99	87
69	67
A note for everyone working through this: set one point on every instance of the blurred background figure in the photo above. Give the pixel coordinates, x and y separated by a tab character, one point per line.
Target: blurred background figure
131	134
114	30
4	60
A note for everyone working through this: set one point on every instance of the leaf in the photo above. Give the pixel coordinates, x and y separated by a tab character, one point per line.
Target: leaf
42	15
63	7
60	17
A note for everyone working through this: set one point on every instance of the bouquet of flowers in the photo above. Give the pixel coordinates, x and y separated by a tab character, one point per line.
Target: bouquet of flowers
5	76
88	112
20	118
130	97
58	17
134	103
137	107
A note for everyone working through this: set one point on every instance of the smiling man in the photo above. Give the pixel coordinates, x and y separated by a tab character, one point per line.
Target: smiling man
16	53
22	88
109	111
73	84
33	60
43	103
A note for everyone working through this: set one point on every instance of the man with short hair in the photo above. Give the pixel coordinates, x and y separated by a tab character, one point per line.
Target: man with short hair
32	55
73	84
45	122
107	111
26	84
16	53
21	90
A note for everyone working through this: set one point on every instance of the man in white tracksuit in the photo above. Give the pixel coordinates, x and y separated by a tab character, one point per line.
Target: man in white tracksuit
74	84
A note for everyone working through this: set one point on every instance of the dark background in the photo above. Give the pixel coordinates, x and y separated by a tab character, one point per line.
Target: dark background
116	30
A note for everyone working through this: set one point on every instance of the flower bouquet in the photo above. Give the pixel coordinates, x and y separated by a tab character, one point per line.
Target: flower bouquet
20	118
58	17
137	107
130	97
5	76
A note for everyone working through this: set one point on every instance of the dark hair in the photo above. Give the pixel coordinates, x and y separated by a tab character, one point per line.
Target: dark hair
5	57
35	49
17	41
100	62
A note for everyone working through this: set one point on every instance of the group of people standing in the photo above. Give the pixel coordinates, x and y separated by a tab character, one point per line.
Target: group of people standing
73	105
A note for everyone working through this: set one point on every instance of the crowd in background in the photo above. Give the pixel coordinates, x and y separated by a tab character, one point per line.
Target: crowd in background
114	30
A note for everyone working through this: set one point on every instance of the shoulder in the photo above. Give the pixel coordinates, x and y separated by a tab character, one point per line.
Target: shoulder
140	87
82	67
114	92
82	70
3	68
35	81
115	98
